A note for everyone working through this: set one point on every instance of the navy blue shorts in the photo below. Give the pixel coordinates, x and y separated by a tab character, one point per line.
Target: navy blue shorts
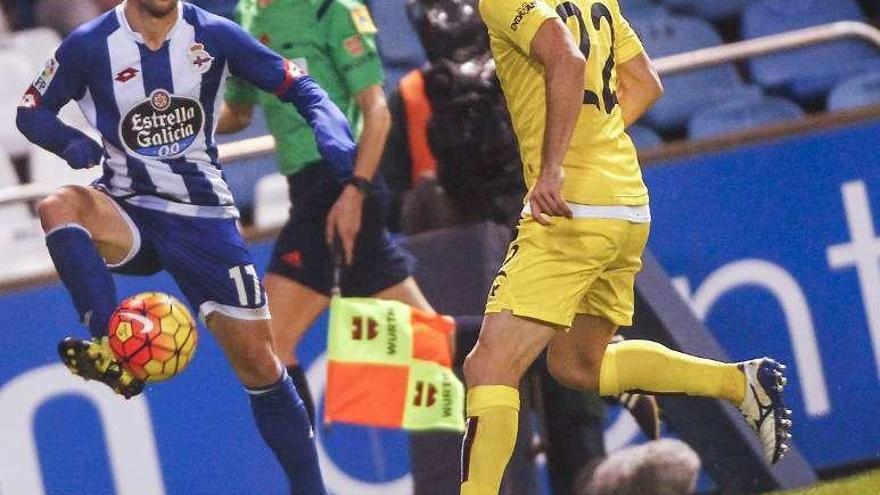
301	252
207	257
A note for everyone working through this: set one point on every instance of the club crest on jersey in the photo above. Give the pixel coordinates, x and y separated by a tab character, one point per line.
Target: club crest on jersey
200	59
161	126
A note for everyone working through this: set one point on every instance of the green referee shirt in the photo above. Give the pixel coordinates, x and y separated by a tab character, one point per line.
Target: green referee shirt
331	40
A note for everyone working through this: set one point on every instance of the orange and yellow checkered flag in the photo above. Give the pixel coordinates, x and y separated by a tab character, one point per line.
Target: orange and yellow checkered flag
390	366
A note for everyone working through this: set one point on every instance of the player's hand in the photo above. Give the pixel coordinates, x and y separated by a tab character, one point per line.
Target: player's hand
344	220
83	153
546	198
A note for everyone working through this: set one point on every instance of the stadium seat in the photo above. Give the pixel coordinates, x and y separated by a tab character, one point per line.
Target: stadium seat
630	5
714	10
50	170
646	14
399	45
687	92
271	204
393	75
740	114
642	10
806	74
17	75
21	238
644	137
856	92
243	178
14	213
36	46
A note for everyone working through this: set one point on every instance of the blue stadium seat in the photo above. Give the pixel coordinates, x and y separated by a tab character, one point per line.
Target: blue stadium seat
644	137
393	75
642	9
740	114
399	45
856	92
630	5
645	13
710	9
809	73
687	92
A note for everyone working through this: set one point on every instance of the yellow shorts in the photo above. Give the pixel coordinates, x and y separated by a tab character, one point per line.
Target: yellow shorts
574	266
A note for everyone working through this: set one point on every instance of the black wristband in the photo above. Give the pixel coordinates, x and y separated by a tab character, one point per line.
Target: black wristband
364	186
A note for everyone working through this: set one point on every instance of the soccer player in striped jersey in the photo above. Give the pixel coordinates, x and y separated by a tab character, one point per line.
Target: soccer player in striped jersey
149	76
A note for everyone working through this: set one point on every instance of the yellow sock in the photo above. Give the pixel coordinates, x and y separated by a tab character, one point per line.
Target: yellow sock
493	420
652	367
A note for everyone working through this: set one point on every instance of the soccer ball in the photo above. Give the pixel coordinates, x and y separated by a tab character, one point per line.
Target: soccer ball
153	336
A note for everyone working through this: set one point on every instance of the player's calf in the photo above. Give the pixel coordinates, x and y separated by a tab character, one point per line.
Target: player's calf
575	357
574	374
248	346
506	348
277	407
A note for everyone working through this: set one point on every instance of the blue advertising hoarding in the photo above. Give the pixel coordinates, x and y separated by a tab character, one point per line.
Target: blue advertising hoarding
773	244
192	435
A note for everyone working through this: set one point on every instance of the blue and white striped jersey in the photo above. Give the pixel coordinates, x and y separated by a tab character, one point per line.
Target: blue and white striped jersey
157	110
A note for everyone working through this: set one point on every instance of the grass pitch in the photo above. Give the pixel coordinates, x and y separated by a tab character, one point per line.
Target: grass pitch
867	483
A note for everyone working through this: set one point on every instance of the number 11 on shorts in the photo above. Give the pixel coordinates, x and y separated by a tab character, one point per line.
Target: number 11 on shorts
238	275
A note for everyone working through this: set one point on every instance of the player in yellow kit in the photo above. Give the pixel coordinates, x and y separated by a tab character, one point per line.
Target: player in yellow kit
575	74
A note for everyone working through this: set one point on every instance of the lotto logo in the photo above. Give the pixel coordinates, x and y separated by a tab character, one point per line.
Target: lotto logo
126	75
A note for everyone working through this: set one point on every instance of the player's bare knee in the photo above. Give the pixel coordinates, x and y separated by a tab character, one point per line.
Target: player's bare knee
65	205
489	364
258	369
473	368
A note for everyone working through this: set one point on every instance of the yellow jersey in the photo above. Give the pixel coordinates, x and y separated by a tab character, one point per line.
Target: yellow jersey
601	166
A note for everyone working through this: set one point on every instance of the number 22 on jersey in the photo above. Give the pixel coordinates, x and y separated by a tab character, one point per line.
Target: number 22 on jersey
597	12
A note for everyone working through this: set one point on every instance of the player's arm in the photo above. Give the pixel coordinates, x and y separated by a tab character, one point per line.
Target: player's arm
554	48
638	84
352	46
536	30
345	216
37	115
237	111
638	87
234	117
377	123
268	71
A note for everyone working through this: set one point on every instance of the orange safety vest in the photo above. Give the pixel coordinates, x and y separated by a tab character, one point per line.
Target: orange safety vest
418	115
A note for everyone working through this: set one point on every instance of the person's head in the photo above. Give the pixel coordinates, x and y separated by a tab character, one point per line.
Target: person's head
449	29
661	467
156	8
